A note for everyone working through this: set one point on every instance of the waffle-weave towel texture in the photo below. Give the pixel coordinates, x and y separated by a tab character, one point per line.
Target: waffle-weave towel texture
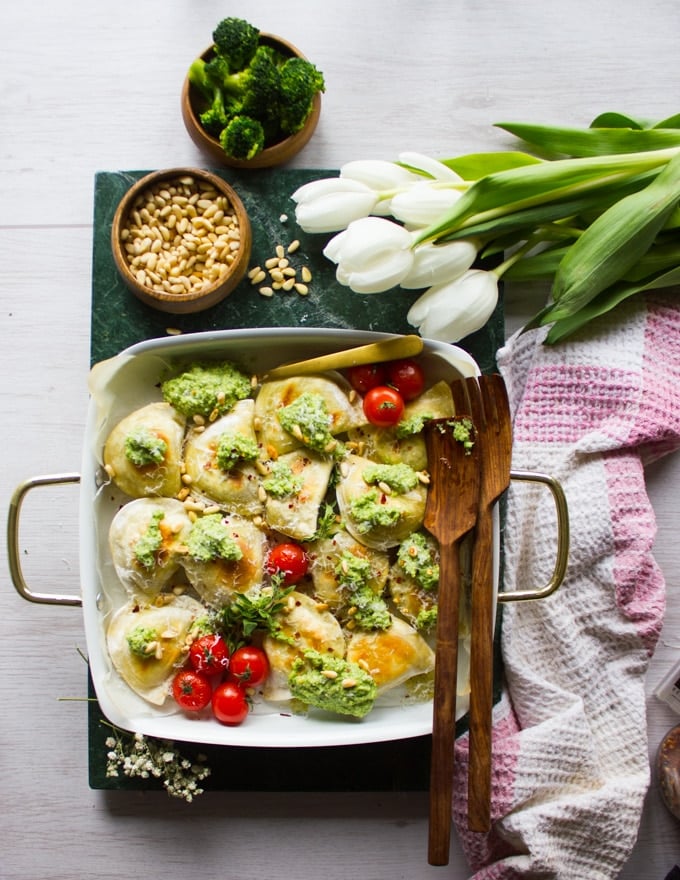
570	767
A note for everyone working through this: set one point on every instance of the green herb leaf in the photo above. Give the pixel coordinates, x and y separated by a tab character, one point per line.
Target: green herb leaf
248	614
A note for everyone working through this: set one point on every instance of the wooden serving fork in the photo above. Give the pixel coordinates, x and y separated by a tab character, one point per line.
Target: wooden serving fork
490	412
450	514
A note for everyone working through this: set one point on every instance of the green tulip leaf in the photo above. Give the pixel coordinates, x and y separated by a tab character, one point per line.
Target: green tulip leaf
581	143
475	165
603	303
612	119
614	242
539	266
671	122
518	189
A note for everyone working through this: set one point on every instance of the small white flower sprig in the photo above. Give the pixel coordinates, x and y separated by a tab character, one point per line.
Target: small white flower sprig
135	755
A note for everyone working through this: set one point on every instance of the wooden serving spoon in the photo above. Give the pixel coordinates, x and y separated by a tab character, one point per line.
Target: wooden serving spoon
451	513
390	349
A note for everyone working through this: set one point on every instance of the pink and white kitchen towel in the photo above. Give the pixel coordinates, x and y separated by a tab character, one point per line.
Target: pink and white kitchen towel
571	764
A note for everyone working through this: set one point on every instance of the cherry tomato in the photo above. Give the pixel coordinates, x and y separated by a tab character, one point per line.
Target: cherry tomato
191	690
290	560
407	377
366	376
249	665
209	654
230	703
383	406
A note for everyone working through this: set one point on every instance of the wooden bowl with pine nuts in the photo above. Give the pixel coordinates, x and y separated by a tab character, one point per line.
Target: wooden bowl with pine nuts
181	239
274	154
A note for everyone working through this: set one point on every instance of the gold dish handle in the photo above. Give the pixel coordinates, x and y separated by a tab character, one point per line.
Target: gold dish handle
13	554
562	556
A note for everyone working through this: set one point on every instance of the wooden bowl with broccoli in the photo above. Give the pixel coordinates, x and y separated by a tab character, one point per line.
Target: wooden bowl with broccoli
251	100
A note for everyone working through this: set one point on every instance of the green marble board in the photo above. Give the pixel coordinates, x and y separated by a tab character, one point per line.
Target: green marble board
119	320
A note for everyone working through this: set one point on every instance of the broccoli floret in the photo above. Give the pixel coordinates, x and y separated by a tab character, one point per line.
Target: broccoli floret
216	116
257	87
242	137
198	78
236	40
217	69
300	82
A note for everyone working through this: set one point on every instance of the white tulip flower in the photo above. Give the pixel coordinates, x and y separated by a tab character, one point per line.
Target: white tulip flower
451	311
428	165
423	203
439	263
372	255
332	203
379	174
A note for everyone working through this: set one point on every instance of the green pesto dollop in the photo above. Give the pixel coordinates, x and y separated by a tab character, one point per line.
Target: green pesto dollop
281	481
462	430
369	610
399	477
233	448
416	557
412	425
143	447
206	389
308	420
141	640
426	619
210	539
332	684
369	511
150	542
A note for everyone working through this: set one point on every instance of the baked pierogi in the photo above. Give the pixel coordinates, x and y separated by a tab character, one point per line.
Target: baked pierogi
332	398
143	452
218	460
147	642
225	556
147	540
309	626
391	656
326	557
404	443
295	490
376	516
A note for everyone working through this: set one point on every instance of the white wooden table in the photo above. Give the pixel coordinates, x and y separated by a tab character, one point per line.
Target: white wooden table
95	86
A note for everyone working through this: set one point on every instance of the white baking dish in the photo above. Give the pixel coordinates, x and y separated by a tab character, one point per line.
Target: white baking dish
129	381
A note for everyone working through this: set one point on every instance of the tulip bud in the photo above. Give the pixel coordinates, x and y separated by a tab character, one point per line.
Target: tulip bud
449	312
428	165
330	204
372	255
439	263
423	203
378	174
